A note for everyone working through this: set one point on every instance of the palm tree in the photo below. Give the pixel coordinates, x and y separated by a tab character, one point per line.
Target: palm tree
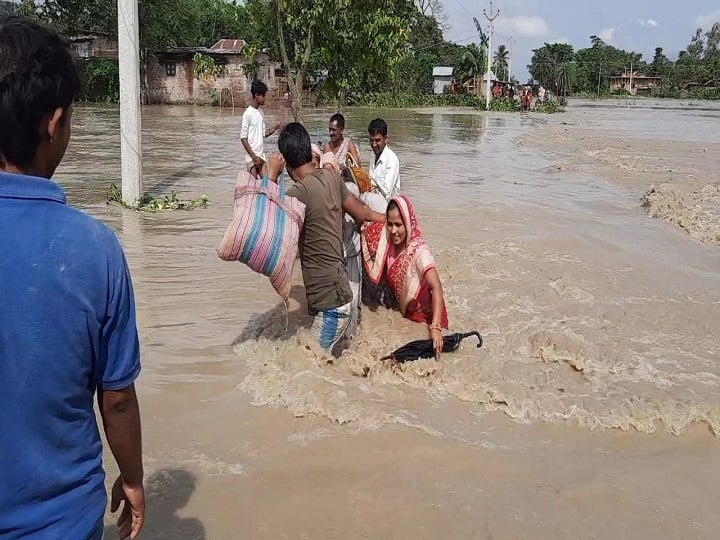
502	56
553	65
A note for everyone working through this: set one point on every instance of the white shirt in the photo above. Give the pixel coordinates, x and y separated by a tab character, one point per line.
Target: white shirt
385	173
253	129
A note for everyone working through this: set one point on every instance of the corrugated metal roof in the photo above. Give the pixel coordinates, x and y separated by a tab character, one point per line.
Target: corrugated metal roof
443	71
229	45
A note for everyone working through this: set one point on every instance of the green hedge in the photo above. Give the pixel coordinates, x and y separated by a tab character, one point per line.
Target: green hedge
102	81
391	100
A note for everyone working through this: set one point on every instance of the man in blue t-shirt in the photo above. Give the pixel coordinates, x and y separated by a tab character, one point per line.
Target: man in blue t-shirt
67	321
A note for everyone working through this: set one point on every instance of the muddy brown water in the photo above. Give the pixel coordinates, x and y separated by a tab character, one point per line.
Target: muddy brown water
592	409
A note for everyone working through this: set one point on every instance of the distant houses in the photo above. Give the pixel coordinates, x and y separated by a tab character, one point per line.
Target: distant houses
175	75
635	83
95	46
442	78
220	74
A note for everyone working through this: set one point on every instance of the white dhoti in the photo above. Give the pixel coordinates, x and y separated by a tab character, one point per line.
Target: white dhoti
353	261
375	201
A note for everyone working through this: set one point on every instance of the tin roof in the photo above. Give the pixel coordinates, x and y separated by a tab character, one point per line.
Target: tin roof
443	71
229	45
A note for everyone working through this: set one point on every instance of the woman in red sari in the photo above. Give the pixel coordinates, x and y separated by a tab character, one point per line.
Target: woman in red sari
395	251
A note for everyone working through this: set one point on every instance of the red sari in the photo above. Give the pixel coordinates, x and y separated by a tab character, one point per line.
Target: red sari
406	274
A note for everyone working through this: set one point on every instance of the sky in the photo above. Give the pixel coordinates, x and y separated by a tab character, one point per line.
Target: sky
639	25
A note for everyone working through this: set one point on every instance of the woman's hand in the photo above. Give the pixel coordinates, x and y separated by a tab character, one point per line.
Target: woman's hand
438	341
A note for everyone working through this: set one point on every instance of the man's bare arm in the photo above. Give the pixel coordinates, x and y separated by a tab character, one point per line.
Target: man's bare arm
121	419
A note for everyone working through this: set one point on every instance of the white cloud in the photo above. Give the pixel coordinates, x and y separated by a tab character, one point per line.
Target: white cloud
523	25
607	35
648	22
706	20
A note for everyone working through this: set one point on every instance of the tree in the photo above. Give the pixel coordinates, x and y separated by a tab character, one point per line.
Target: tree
357	44
473	64
73	17
427	49
553	65
502	55
434	9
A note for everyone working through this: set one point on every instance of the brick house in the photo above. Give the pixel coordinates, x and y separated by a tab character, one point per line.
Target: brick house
95	46
172	76
635	83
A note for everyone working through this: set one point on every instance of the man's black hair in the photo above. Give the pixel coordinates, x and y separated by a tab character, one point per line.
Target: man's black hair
339	119
294	144
38	74
258	88
378	126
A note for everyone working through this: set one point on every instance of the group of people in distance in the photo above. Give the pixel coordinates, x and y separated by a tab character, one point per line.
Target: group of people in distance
354	247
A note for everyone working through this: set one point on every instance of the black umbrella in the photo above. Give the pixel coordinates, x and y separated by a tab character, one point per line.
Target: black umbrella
424	348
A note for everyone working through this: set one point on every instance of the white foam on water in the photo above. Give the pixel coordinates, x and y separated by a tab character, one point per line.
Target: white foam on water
558	353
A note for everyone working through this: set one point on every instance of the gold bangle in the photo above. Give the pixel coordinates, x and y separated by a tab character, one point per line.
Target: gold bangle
435	327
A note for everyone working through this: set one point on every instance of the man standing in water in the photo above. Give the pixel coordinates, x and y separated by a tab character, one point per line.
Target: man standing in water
67	324
339	144
329	296
384	168
253	130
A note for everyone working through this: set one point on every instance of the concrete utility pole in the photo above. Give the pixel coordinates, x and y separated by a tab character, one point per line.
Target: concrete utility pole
130	117
510	42
491	18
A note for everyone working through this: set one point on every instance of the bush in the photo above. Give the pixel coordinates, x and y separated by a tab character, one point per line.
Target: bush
400	101
102	81
706	93
504	105
548	107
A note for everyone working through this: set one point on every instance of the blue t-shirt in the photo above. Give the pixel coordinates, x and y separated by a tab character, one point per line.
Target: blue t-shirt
67	328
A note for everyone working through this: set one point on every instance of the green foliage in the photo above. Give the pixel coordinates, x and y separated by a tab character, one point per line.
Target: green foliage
102	81
548	107
215	96
73	17
369	51
251	67
504	105
152	204
205	67
500	62
392	100
695	73
554	67
356	44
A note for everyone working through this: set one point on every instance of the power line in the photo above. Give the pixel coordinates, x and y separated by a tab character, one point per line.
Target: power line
442	43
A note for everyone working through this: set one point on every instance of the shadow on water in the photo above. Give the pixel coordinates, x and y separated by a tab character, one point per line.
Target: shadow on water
167	491
279	322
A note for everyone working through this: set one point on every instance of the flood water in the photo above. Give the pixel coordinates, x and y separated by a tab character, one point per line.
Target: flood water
594	314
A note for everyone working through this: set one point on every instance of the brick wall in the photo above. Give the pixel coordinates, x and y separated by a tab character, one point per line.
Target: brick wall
184	88
165	89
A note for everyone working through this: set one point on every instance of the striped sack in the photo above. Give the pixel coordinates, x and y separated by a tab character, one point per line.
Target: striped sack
264	230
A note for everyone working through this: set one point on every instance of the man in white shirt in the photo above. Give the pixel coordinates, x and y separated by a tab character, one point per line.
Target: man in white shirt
253	131
385	168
